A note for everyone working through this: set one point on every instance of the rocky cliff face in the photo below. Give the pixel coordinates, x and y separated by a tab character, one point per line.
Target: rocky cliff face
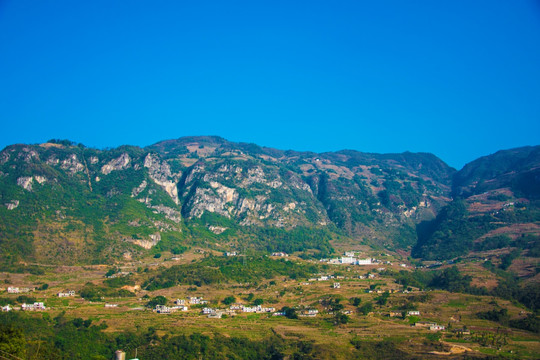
149	197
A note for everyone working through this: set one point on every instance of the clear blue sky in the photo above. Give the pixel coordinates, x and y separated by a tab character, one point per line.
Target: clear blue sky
460	79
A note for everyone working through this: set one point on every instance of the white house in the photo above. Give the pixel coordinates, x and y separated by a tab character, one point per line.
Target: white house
66	293
309	313
436	327
413	313
257	309
197	300
364	262
180	302
162	309
6	308
337	285
17	290
32	307
347	260
208	311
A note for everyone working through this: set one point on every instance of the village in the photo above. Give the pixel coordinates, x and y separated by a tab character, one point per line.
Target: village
354	294
221	309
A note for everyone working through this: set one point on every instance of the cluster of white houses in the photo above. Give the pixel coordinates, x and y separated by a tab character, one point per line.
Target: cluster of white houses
430	325
349	258
181	305
66	293
37	306
17	290
332	277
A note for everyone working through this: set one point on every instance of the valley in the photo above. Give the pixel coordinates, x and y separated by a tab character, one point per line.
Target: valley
294	255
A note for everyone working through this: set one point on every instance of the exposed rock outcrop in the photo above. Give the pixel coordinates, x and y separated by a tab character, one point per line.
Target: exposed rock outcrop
139	189
25	182
149	243
119	163
160	173
72	164
13	204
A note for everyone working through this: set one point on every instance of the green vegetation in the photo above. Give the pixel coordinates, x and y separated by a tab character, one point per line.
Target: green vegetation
93	292
453	231
215	270
158	300
62	338
365	308
530	323
289	312
451	234
289	241
376	350
118	282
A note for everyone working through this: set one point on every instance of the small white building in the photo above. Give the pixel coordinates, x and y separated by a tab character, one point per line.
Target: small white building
197	300
162	309
309	313
180	302
257	309
13	290
337	285
68	293
347	260
436	327
280	254
33	307
249	309
111	305
208	311
6	308
364	261
413	313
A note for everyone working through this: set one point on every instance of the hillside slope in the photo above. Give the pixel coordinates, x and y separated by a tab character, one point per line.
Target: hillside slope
495	213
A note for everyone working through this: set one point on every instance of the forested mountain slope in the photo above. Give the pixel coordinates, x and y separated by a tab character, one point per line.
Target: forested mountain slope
495	211
63	202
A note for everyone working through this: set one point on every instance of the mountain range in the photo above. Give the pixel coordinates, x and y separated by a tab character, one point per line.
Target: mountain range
62	202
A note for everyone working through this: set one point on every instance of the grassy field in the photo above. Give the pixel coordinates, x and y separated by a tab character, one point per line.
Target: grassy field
453	310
